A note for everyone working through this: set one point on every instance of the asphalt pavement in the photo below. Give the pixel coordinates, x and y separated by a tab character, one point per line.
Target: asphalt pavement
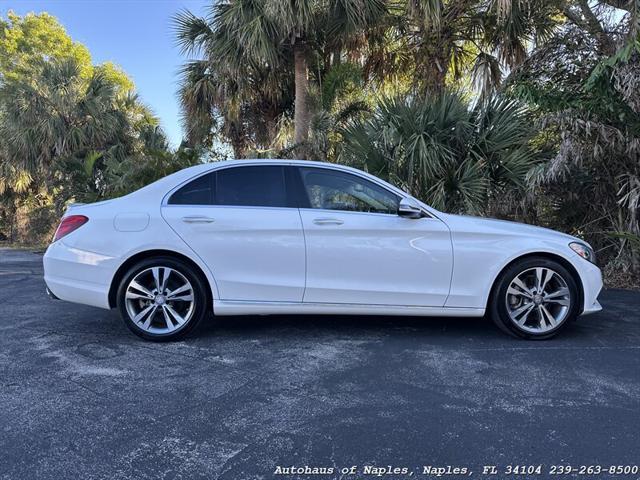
246	397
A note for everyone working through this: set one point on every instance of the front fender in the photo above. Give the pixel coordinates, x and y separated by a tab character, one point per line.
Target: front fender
479	260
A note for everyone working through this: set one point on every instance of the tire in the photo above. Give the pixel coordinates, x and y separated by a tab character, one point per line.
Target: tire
170	314
518	307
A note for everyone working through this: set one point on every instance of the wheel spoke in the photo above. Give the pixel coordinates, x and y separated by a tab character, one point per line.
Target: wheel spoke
563	292
522	285
524	310
524	317
184	288
560	301
147	322
543	275
156	277
546	315
166	273
135	285
520	293
167	318
133	295
547	279
143	313
174	314
182	298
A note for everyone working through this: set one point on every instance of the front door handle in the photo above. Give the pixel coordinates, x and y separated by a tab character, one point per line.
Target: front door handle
197	219
328	221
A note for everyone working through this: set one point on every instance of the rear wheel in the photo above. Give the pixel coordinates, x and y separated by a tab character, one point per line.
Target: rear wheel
162	299
534	299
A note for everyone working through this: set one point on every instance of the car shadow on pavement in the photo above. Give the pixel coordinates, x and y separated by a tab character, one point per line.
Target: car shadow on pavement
284	326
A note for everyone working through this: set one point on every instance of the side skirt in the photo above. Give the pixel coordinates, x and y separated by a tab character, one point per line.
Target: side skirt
235	307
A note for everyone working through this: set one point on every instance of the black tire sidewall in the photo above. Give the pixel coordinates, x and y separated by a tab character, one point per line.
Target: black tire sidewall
498	307
199	292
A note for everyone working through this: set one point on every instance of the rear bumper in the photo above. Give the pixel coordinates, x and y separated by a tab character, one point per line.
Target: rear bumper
77	275
51	294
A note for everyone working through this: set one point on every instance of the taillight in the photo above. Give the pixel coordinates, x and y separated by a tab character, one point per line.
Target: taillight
68	225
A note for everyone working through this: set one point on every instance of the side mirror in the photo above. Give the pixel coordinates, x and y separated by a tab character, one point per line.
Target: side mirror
409	208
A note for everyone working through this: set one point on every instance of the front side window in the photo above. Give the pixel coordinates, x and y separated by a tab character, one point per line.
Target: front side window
335	190
255	186
196	192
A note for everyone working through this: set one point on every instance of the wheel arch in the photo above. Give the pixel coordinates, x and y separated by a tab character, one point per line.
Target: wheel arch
551	256
127	264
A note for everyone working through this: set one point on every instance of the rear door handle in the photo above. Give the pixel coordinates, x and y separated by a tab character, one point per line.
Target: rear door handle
197	219
328	221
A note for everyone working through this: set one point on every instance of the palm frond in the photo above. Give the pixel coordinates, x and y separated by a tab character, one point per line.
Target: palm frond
453	156
191	32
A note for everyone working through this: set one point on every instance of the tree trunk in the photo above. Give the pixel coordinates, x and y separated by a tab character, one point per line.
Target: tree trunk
271	126
337	56
301	115
585	19
238	142
431	80
434	62
605	42
235	131
239	148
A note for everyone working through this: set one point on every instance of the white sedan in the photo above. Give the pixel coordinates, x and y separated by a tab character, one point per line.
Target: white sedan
298	237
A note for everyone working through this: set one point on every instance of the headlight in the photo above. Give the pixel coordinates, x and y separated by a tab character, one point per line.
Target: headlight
584	251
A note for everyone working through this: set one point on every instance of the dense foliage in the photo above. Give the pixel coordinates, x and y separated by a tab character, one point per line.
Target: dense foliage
69	130
456	158
589	116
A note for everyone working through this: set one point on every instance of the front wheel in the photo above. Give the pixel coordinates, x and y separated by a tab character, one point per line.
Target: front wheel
162	299
534	299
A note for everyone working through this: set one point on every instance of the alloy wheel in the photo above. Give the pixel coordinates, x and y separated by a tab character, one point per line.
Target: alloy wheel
160	300
538	300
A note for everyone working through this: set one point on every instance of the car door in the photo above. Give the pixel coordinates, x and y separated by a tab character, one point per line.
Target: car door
359	251
240	221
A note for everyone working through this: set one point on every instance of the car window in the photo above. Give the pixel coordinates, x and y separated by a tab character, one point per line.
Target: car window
257	186
334	190
196	192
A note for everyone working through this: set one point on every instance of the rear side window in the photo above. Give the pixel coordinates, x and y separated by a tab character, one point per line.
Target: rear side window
255	186
196	192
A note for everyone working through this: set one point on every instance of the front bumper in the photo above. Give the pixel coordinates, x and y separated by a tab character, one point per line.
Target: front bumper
593	308
591	278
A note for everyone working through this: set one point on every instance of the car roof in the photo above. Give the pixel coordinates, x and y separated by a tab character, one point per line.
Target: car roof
265	161
190	172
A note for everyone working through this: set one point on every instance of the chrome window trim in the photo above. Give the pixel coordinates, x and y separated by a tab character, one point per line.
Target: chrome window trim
377	214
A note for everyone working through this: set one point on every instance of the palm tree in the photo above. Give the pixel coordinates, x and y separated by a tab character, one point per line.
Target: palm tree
60	129
454	157
440	41
344	97
56	114
227	91
444	40
301	20
249	41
